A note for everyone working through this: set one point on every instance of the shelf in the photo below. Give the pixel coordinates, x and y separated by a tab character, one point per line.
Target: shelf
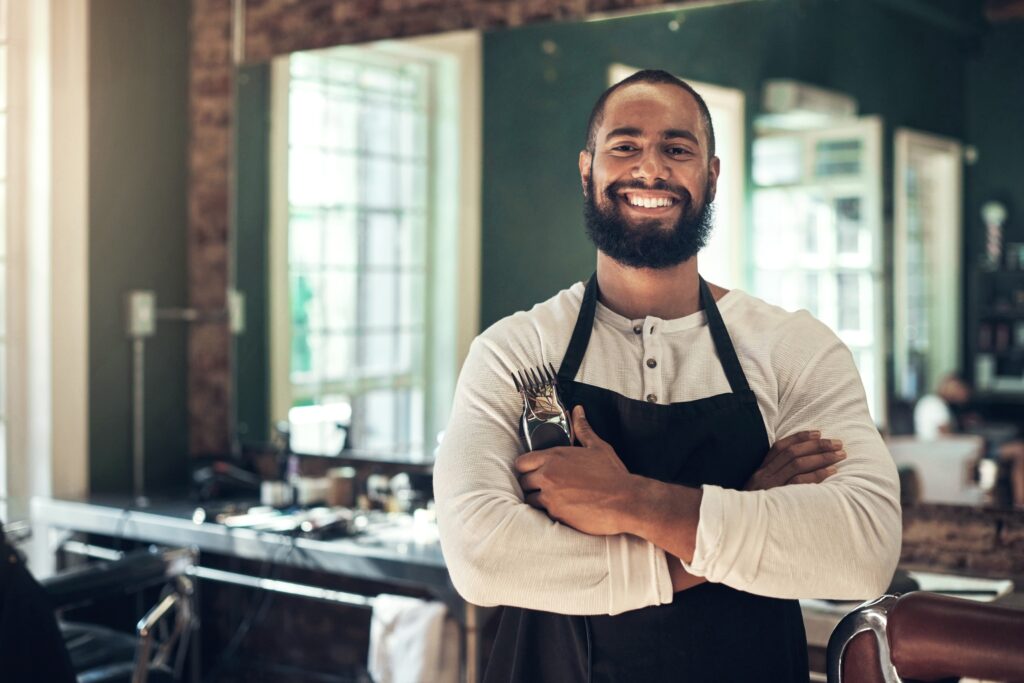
1002	272
1016	313
988	396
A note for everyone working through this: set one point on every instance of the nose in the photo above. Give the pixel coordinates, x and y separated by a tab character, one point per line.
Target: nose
650	166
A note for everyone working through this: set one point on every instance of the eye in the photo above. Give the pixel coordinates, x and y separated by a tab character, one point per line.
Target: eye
677	151
624	147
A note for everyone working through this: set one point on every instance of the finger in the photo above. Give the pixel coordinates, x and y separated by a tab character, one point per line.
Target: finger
792	439
786	442
533	500
531	481
815	477
801	449
810	463
581	428
527	462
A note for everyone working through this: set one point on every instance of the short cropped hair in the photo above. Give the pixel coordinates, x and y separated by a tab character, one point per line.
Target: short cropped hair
648	76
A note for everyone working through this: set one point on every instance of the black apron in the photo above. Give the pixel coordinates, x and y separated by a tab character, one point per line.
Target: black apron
710	632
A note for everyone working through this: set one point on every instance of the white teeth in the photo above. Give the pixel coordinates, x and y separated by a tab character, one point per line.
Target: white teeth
648	202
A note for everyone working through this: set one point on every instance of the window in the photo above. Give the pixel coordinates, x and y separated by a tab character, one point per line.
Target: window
926	262
817	236
371	218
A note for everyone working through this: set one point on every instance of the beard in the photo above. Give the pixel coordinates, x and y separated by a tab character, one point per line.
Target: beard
648	243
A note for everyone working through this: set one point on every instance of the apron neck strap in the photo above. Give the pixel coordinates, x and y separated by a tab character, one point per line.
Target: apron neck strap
580	334
585	324
723	342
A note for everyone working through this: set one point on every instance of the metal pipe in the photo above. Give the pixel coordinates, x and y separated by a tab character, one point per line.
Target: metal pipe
285	587
89	550
138	418
194	315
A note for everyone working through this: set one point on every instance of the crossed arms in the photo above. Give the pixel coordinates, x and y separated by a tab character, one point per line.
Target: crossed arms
614	549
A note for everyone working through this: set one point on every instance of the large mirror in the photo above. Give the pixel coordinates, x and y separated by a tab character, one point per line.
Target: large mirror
394	198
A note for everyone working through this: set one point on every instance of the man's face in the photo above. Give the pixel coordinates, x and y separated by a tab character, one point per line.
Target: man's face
649	184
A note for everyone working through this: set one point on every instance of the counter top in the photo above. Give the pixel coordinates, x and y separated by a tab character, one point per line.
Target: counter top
395	555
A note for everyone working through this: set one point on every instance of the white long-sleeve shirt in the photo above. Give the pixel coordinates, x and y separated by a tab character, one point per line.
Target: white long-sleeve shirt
836	540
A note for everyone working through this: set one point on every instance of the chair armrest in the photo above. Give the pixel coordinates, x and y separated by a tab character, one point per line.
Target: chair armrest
105	578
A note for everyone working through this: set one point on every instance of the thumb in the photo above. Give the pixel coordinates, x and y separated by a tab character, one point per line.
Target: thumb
582	430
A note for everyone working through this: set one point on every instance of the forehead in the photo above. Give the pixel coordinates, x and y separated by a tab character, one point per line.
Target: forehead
651	107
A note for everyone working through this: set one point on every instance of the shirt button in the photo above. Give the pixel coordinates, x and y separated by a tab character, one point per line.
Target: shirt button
651	363
637	329
651	398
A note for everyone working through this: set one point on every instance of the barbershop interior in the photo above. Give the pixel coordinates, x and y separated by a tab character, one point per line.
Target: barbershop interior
246	247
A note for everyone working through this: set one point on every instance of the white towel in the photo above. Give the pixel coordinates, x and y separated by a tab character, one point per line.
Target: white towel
412	641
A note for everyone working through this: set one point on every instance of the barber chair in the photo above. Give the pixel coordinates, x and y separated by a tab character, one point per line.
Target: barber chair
155	653
923	637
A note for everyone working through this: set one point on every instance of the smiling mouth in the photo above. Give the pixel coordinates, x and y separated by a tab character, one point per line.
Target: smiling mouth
649	202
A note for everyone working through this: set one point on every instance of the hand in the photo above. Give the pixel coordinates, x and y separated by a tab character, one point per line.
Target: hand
585	487
801	458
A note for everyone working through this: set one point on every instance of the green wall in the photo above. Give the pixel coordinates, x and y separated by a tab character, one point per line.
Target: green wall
908	69
138	143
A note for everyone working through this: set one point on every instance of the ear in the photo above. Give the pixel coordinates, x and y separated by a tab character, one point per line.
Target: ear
586	158
714	167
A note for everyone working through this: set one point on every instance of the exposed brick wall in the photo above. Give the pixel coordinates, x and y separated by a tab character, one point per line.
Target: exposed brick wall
976	541
276	27
209	380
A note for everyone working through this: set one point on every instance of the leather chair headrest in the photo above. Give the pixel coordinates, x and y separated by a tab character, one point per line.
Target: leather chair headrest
936	636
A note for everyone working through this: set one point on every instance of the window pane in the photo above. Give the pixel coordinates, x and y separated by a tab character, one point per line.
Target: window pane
848	225
407	352
410	133
380	126
378	354
382	239
381	299
307	112
341	238
411	188
338	357
305	243
342	130
339	300
307	354
382	182
837	158
380	432
411	248
412	303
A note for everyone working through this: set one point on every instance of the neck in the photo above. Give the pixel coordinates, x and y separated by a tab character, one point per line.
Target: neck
634	293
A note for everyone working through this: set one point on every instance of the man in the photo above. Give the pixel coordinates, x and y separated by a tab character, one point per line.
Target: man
945	411
672	543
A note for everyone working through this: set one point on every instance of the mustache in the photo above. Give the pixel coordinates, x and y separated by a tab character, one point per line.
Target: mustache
618	186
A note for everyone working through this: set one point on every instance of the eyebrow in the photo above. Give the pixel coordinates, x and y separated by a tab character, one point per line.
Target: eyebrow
669	134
